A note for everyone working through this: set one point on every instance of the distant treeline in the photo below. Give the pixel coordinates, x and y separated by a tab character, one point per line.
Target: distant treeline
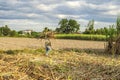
5	31
72	26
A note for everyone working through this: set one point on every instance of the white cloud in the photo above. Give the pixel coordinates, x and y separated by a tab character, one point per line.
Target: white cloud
76	4
112	12
61	16
80	4
32	15
46	7
112	6
109	8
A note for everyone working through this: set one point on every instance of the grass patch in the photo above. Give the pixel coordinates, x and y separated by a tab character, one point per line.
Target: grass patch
10	52
30	51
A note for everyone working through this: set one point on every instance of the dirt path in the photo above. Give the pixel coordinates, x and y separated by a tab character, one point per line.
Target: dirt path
21	43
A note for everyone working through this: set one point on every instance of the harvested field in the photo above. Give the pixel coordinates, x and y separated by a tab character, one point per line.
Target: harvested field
22	43
66	65
24	59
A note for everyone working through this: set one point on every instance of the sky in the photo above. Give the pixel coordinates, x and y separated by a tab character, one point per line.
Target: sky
38	14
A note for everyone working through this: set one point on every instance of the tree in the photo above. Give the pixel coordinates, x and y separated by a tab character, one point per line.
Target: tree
57	30
13	33
73	25
1	31
46	29
5	31
46	33
110	33
20	32
118	25
68	26
63	24
35	34
90	28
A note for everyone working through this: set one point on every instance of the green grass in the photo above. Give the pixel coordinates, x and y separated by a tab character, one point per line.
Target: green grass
81	37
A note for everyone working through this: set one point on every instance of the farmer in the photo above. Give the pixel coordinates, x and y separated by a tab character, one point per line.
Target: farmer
47	46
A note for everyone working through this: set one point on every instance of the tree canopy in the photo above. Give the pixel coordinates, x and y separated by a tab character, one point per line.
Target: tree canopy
68	26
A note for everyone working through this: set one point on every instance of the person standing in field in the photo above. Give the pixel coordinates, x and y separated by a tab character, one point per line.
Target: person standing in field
47	46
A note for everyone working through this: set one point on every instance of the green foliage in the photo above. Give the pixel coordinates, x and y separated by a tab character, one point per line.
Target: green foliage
81	37
101	31
57	30
90	28
35	34
68	26
1	34
111	32
63	24
10	52
5	31
20	32
118	24
13	33
46	29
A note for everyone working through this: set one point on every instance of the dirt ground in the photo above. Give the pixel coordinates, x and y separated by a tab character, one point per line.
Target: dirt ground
8	43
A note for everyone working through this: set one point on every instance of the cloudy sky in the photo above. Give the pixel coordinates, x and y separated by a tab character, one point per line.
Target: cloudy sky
37	14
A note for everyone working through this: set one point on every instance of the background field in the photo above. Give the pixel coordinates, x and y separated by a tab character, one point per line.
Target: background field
21	43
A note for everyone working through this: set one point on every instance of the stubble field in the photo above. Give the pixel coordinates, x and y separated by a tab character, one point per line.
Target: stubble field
24	59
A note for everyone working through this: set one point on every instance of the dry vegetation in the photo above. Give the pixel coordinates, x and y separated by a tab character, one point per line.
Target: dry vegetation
67	64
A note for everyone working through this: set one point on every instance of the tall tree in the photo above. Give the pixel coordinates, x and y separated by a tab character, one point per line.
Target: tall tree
63	25
74	26
118	25
68	26
90	27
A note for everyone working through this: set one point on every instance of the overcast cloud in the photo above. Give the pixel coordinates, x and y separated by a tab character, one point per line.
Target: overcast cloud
37	14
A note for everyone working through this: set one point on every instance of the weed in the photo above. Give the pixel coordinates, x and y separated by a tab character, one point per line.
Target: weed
10	52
